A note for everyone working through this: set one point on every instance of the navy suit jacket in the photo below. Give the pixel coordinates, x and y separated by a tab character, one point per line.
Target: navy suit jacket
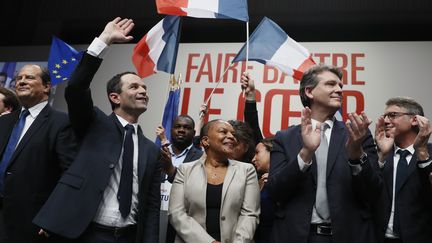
44	152
350	197
75	200
415	202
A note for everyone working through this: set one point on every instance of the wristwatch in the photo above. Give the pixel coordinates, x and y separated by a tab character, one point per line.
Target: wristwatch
359	161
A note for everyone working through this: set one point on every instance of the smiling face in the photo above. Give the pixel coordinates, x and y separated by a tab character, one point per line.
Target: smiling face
327	93
220	140
30	88
398	121
132	98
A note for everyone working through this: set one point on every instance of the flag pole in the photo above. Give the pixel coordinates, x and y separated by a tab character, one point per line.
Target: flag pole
247	52
170	87
217	84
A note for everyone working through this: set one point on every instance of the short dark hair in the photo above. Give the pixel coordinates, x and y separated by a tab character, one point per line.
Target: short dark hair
114	86
207	126
187	117
412	106
10	99
268	143
310	80
245	134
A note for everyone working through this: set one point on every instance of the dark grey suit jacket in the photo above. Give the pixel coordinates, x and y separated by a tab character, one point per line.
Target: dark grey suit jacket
350	197
415	202
75	200
45	151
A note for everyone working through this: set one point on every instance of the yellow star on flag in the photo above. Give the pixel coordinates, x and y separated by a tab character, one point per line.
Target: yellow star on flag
55	71
57	66
65	62
58	76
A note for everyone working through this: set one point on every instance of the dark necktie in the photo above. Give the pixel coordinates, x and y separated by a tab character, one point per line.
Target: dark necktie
321	203
401	173
11	145
124	194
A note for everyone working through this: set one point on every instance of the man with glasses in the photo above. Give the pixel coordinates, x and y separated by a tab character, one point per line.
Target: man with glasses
404	212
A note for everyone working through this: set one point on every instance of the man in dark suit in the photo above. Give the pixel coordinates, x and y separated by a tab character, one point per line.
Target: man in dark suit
36	145
404	212
180	150
322	179
111	193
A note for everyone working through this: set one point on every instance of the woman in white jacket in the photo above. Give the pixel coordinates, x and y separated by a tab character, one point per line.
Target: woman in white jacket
215	199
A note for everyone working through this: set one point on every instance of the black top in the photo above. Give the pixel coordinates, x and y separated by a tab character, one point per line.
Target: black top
213	202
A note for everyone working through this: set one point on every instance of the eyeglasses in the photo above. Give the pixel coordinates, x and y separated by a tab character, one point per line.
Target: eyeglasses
394	115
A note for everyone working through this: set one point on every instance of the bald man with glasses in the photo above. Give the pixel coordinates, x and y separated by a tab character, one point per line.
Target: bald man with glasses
404	213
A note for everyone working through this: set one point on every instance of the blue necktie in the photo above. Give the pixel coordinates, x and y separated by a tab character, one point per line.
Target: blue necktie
124	194
11	145
401	173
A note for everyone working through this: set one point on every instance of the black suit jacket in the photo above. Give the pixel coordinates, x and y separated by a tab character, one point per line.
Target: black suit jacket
415	202
75	200
350	197
46	149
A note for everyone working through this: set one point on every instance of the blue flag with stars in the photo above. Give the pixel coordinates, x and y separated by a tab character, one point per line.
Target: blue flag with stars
62	61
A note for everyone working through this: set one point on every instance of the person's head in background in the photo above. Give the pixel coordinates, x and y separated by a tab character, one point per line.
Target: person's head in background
245	149
3	78
261	160
8	101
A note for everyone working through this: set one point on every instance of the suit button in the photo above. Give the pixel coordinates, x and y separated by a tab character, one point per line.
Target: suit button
111	166
223	218
309	212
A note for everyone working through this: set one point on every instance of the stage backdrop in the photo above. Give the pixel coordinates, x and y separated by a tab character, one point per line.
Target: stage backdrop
373	72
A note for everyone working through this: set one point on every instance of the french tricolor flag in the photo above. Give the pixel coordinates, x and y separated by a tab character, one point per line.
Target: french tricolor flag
270	45
157	50
224	9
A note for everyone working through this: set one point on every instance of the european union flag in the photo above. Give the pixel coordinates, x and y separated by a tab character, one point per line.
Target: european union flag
62	61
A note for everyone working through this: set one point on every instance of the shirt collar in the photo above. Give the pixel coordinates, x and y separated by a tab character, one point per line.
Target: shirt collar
329	122
182	153
35	110
123	122
409	148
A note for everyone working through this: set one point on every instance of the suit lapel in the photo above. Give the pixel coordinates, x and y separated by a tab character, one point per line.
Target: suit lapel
388	174
335	145
37	123
7	125
231	171
142	154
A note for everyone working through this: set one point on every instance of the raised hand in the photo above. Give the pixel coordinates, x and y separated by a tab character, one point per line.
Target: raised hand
357	127
384	140
117	31
160	133
311	135
263	180
421	141
248	85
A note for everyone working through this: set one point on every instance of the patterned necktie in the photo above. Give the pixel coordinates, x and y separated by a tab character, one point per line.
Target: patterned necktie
401	173
124	194
11	145
321	203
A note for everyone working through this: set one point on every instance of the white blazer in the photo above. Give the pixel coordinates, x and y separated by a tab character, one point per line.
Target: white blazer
240	207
